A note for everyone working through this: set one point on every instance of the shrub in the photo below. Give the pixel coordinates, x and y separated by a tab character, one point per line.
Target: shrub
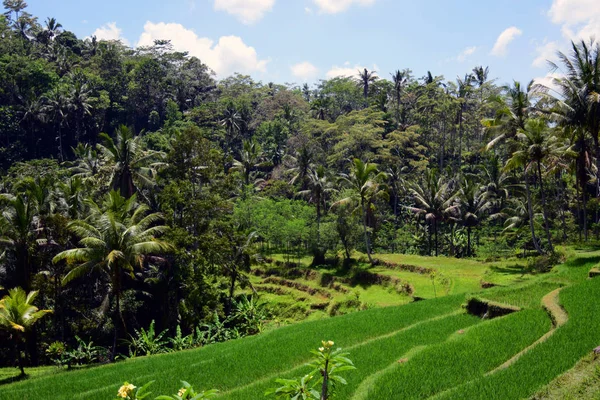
147	342
131	392
327	364
57	352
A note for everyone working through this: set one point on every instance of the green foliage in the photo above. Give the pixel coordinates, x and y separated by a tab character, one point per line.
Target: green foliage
147	342
327	364
187	392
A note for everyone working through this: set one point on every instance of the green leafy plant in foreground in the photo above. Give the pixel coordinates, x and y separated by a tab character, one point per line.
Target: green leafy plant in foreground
131	392
326	365
187	392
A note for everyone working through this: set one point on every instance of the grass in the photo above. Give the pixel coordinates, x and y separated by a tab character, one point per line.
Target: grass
444	352
256	359
582	382
549	359
477	351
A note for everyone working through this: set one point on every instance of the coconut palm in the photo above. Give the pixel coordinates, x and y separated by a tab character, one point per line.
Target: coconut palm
319	186
17	234
302	163
434	199
576	94
114	241
473	204
18	315
133	167
400	80
537	147
320	107
56	107
513	112
365	78
250	159
364	181
87	164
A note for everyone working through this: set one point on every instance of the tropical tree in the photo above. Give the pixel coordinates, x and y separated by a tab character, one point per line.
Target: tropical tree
18	235
133	167
319	186
114	241
400	79
435	199
365	78
250	159
576	95
18	315
473	204
364	182
537	146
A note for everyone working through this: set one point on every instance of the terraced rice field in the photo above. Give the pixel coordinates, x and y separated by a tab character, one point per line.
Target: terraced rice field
426	349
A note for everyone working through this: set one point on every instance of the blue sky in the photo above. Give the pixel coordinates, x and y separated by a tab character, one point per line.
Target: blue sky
307	40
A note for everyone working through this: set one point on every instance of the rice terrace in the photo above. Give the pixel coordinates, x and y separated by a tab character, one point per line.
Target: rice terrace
309	199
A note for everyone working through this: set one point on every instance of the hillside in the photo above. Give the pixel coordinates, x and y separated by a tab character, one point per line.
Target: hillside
419	350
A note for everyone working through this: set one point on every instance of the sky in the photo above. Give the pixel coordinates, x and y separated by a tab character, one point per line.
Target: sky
298	41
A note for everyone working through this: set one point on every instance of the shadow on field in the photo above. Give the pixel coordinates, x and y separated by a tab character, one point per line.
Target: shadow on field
13	379
581	261
515	269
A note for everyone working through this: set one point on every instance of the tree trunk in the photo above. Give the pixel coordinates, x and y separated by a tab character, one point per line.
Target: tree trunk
325	381
231	291
364	211
435	231
530	212
544	209
468	241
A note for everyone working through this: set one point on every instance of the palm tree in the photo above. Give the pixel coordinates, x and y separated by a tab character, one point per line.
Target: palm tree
18	315
400	80
238	260
79	103
250	159
480	75
320	107
435	200
56	105
232	121
319	186
473	203
87	164
577	99
513	112
365	78
363	180
16	223
114	241
133	167
302	163
537	146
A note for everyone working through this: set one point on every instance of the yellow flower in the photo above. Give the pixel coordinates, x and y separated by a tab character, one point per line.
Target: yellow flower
125	390
181	392
330	343
321	349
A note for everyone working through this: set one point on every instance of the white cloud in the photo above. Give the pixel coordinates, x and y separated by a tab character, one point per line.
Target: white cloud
466	53
247	11
580	19
546	51
304	71
501	47
308	10
548	81
230	54
110	31
346	71
337	6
